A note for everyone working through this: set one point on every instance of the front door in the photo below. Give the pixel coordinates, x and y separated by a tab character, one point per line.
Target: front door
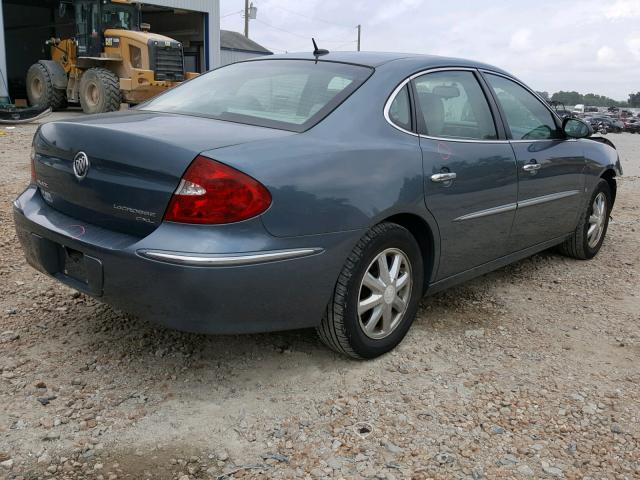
550	167
470	174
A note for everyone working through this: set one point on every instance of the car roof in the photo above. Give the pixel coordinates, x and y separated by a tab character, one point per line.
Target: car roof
410	61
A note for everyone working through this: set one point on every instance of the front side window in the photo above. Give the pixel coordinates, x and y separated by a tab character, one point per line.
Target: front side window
454	106
288	94
526	116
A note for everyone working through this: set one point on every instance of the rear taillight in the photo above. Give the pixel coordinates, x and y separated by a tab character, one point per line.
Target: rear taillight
33	164
210	192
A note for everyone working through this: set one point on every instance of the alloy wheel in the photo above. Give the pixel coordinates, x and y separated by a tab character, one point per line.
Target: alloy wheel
384	294
597	220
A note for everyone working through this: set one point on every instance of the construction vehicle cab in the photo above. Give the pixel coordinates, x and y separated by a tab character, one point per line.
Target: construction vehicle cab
93	17
112	59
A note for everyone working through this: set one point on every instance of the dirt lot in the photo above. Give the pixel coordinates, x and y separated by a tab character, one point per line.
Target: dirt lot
531	371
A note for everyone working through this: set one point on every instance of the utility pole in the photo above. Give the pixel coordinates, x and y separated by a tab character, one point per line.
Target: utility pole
359	29
246	18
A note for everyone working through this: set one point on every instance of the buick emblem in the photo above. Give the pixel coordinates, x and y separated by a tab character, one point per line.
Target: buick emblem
80	165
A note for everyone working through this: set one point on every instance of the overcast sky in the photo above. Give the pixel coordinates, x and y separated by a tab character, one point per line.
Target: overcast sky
584	45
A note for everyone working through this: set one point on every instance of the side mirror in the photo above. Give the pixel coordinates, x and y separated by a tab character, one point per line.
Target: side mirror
576	128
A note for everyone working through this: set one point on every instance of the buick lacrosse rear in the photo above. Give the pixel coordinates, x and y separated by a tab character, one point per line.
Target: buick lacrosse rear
301	191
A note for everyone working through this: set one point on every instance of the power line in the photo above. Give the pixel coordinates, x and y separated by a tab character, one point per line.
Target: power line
337	47
306	37
312	18
282	29
232	13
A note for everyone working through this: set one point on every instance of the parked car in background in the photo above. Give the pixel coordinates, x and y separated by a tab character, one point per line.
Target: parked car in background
328	190
613	125
560	109
578	109
596	125
632	125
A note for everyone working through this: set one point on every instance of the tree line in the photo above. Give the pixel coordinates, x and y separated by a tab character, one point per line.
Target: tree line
575	98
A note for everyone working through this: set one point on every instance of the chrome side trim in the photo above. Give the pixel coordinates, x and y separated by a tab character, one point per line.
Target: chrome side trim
226	260
547	198
513	206
489	211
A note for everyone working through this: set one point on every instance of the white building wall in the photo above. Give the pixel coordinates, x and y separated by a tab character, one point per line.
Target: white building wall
231	56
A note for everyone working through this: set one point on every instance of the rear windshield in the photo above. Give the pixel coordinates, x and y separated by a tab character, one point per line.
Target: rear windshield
287	94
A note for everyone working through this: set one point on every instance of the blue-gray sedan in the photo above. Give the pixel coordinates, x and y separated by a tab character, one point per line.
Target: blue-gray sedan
329	191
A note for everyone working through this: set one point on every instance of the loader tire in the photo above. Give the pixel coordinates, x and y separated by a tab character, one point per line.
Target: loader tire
40	89
99	91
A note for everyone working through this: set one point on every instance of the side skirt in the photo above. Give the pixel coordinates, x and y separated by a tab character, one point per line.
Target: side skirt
492	265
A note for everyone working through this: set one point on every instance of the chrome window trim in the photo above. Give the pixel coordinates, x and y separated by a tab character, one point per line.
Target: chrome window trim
402	84
225	260
515	206
395	92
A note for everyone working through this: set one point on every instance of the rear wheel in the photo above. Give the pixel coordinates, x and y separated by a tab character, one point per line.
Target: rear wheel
376	297
40	90
586	240
99	91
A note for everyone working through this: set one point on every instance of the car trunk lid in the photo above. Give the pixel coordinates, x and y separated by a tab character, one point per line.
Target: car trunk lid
135	162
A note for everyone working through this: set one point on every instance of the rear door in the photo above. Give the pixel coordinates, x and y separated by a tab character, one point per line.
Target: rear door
550	166
469	168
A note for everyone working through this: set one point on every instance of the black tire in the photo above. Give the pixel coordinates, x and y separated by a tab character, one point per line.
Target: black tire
99	91
340	328
40	90
577	245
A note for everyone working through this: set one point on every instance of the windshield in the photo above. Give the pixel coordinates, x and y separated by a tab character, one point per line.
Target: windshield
287	94
119	16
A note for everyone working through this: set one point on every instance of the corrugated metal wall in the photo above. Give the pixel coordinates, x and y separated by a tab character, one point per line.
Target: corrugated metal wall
231	56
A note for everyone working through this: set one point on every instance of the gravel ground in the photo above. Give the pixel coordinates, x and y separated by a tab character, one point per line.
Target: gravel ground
528	372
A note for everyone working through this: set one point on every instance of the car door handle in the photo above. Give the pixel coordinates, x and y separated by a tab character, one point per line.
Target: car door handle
532	167
443	177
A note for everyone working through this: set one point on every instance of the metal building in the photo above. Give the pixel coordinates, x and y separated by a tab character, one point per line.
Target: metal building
27	24
235	47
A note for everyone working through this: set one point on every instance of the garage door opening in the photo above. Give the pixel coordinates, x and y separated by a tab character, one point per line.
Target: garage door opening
185	26
28	24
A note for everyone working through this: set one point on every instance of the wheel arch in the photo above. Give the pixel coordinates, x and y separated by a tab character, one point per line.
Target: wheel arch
609	175
424	235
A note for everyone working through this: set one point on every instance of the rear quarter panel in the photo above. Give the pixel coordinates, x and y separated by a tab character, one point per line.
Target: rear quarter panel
347	173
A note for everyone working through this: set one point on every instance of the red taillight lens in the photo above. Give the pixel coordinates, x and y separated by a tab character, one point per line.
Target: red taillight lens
211	192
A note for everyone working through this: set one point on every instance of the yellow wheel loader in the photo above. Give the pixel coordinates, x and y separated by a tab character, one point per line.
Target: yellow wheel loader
113	59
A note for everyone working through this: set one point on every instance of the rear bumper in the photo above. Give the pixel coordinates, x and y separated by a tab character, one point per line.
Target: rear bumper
284	284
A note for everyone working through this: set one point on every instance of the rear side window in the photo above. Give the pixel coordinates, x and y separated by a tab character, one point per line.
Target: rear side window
453	106
400	109
287	94
526	116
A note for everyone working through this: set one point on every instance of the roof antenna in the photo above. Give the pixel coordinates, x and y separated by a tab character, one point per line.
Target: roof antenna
318	51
